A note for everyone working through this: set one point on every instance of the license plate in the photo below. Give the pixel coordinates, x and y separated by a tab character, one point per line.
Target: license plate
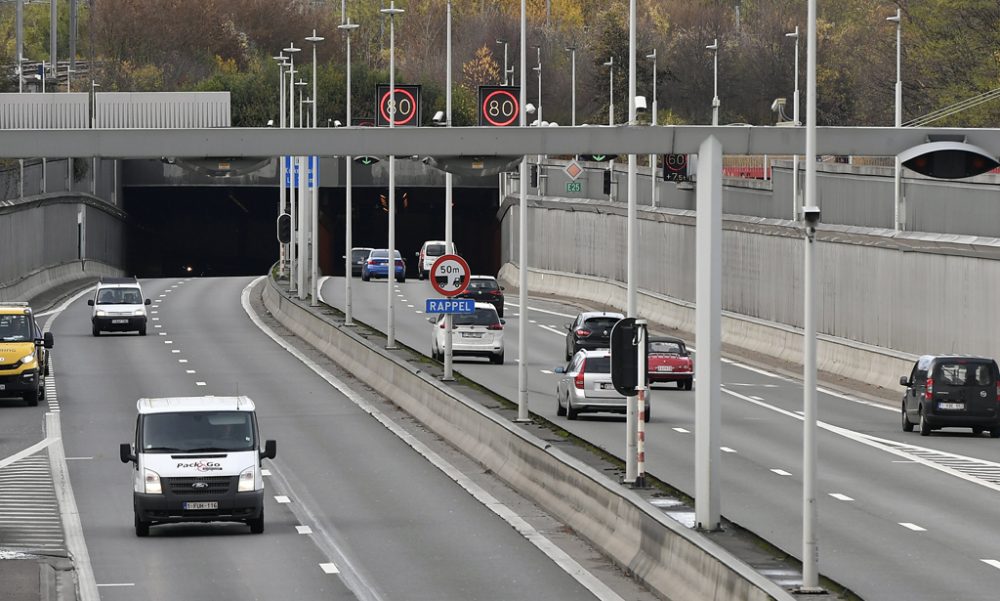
195	505
3	386
664	368
607	386
119	321
472	334
951	405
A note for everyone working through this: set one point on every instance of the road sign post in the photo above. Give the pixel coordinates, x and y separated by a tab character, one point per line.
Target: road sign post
450	277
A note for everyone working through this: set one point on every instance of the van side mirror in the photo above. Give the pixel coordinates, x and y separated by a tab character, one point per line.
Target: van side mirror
48	340
904	381
270	450
90	302
149	302
125	452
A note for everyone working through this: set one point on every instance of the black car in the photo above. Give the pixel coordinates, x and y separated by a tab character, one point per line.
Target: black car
359	254
952	391
590	330
485	289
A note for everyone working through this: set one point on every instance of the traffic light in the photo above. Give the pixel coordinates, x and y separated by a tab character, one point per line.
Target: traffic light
950	159
624	358
534	176
284	228
607	181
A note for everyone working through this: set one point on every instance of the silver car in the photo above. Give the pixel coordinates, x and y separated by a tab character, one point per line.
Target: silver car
585	386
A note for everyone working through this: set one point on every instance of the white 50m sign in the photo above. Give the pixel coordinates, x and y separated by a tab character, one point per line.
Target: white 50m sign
450	275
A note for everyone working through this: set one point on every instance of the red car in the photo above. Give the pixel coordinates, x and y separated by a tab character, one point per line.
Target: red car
670	361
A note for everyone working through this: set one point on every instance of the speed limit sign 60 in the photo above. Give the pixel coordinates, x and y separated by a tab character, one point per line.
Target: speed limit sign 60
402	107
499	105
450	275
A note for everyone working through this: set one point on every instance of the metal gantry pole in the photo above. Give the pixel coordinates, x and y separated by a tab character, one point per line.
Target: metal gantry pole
347	26
522	250
810	543
631	296
53	39
448	192
314	197
19	27
392	11
708	333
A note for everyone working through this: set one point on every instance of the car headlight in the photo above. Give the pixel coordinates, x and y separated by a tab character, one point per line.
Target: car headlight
25	360
101	313
152	481
139	312
246	480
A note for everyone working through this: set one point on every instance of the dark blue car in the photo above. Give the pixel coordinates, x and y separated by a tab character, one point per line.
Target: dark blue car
377	265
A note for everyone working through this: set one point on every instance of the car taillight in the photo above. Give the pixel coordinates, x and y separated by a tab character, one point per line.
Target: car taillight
929	393
442	324
578	380
371	261
495	326
581	332
399	262
496	292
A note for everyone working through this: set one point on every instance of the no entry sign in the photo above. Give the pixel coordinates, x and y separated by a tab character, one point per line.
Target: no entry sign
450	275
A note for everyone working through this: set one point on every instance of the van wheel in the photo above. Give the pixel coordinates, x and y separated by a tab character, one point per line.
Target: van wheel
995	433
560	410
141	527
907	424
142	330
925	428
31	398
257	524
648	413
977	431
96	331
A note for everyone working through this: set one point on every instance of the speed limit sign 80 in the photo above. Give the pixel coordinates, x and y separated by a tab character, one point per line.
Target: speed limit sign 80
401	108
499	105
450	275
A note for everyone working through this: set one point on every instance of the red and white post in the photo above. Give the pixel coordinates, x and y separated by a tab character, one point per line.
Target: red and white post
641	388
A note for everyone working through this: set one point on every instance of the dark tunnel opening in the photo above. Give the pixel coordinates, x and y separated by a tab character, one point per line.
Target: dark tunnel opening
231	231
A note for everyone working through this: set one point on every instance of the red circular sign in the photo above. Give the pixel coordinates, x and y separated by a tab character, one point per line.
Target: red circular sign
500	108
413	106
450	275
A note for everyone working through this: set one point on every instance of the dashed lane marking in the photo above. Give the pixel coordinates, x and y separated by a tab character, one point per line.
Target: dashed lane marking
780	472
303	529
840	497
329	568
912	526
553	330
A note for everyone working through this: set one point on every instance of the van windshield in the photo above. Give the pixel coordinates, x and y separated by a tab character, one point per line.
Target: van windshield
964	373
192	432
15	328
119	296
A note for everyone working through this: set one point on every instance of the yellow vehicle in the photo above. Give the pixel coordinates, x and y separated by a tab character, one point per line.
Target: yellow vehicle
24	353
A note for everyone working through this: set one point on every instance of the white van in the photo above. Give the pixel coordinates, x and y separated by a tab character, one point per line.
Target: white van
197	459
118	306
429	252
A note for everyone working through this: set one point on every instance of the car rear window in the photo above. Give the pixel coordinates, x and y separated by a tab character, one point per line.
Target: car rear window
483	285
360	254
963	373
482	317
435	250
598	365
665	348
383	254
599	323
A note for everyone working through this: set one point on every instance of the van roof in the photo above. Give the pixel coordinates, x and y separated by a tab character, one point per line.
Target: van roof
193	404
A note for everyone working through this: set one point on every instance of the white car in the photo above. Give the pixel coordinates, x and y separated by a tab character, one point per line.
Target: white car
429	252
478	334
585	386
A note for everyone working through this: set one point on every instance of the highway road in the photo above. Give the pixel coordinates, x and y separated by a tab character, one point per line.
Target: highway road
352	510
900	516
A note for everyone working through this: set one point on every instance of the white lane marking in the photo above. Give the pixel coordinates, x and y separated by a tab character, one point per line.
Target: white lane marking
329	568
168	342
175	351
190	371
560	557
117	584
162	295
154	313
532	321
266	472
546	371
681	430
409	306
553	330
530	308
78	458
38	446
912	526
282	499
156	319
419	311
727	450
303	529
780	472
756	398
993	562
157	326
182	360
161	333
840	497
200	384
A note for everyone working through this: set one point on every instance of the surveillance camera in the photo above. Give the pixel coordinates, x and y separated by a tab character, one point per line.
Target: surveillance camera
438	118
270	122
777	104
811	215
337	123
529	109
640	104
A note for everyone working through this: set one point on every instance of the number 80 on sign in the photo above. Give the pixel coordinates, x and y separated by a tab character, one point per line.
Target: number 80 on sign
499	106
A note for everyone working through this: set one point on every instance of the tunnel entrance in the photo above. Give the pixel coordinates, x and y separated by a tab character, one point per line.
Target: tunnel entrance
230	231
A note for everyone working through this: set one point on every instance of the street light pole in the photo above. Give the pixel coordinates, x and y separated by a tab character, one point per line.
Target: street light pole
505	71
631	296
282	248
714	47
652	157
538	160
610	64
293	244
392	11
898	179
303	215
795	118
314	208
522	245
572	54
347	27
448	240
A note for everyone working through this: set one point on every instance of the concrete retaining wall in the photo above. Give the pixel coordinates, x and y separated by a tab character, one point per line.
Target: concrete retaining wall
41	280
678	563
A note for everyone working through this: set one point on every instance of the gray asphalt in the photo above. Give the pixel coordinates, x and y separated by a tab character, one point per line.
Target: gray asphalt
907	531
396	526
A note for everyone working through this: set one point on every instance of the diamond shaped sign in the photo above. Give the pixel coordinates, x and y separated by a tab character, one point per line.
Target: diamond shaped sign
573	170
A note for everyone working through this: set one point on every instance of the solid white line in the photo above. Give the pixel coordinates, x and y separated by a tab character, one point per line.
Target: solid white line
840	497
118	584
992	562
913	527
329	568
303	529
780	472
530	308
560	557
553	330
546	371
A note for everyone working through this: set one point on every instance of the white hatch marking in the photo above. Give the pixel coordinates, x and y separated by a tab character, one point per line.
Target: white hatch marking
780	472
282	499
840	497
756	398
265	472
546	371
681	430
117	584
553	330
913	527
329	568
303	529
993	562
727	450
